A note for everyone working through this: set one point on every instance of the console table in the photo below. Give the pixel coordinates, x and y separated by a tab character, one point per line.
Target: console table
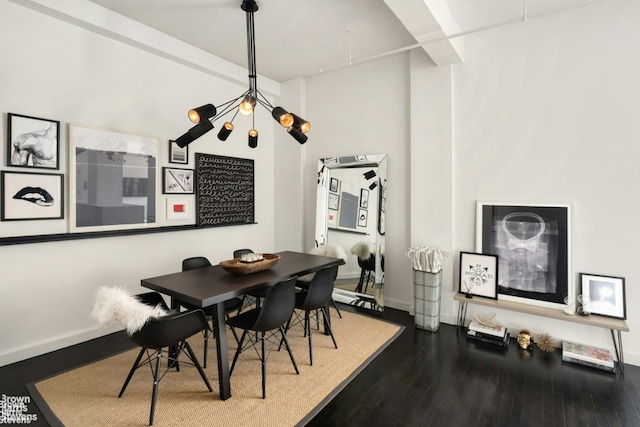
615	326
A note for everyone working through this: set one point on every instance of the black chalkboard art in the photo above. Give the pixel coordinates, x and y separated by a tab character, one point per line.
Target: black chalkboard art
225	192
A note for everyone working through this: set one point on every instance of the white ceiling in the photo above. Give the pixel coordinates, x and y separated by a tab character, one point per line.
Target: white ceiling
302	37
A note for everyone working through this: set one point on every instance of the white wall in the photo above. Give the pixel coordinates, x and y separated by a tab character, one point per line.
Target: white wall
547	111
60	71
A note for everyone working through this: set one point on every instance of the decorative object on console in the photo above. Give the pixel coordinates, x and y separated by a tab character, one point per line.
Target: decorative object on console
533	243
478	275
583	305
33	142
546	343
525	340
606	295
571	306
245	104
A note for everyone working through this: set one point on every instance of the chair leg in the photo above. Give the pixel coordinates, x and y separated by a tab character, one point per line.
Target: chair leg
308	331
286	343
238	350
156	381
197	365
263	359
133	369
333	303
206	345
328	326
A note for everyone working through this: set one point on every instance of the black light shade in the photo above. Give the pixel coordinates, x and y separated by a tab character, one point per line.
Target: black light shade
300	123
225	131
370	174
194	133
282	116
196	115
253	138
297	134
373	185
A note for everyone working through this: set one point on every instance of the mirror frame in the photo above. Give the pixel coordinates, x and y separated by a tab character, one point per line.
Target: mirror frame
325	167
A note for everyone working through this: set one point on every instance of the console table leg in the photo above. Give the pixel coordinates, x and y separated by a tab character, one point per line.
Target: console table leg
617	345
462	313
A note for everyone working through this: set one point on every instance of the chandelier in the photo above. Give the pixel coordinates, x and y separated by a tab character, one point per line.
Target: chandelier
245	104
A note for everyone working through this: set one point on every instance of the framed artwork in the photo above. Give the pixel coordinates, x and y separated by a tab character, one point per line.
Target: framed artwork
332	218
364	198
179	208
334	201
606	295
334	186
113	179
33	142
478	275
533	245
177	181
177	154
31	196
362	217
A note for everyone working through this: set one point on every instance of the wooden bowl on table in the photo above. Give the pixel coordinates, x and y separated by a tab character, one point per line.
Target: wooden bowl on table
240	268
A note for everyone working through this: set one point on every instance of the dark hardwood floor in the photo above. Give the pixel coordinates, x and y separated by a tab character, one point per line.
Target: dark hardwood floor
427	379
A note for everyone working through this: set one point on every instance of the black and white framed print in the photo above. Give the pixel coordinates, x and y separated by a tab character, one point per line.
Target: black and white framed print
31	196
178	154
362	217
334	201
33	142
334	185
177	181
605	295
533	244
364	198
478	275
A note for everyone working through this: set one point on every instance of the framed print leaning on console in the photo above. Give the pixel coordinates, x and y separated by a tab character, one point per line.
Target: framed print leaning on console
533	245
605	294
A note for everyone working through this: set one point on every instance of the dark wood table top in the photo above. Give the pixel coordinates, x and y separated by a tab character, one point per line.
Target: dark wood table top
203	287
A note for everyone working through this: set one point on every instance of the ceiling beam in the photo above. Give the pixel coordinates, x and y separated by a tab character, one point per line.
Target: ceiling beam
430	20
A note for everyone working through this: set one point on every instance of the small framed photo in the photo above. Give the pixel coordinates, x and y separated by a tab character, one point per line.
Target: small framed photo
179	208
33	142
177	181
334	201
31	196
364	198
334	186
177	154
479	275
606	295
362	217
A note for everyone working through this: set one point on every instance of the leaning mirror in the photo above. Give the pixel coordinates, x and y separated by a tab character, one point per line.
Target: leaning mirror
350	213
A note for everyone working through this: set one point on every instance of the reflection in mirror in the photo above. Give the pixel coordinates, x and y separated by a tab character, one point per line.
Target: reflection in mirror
350	213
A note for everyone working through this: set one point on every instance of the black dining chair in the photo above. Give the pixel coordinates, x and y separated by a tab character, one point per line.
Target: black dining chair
252	297
276	310
230	305
316	298
170	330
367	273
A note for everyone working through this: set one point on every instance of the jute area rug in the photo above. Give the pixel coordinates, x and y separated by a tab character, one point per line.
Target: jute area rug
87	396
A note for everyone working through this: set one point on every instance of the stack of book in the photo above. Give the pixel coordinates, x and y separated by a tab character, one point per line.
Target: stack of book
587	355
491	335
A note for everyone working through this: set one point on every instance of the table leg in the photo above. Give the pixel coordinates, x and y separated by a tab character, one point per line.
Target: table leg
327	320
173	349
617	345
462	313
222	351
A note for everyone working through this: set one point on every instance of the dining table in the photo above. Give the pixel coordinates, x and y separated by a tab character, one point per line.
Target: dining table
212	286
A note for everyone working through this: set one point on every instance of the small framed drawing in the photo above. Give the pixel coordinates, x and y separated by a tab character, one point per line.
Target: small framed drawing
334	186
30	196
362	217
364	198
179	208
177	154
479	275
334	201
332	218
605	294
33	142
177	181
